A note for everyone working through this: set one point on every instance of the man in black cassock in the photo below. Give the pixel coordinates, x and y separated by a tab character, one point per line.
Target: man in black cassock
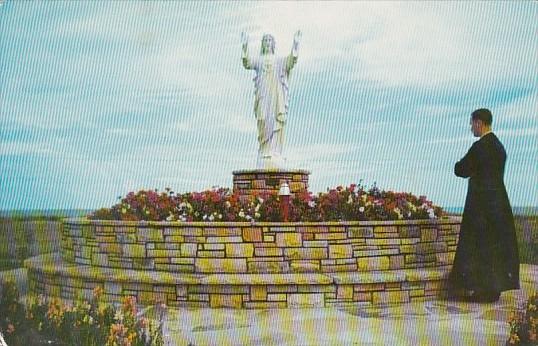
487	259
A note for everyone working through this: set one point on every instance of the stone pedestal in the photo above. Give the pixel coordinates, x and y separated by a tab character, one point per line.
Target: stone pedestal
252	181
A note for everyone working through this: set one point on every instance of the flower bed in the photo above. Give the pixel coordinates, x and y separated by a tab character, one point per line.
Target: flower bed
85	323
524	324
353	203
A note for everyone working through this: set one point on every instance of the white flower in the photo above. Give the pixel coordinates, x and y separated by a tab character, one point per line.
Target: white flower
349	200
123	210
361	209
257	215
228	204
248	217
170	217
312	204
260	200
220	216
258	207
118	316
204	217
241	213
211	217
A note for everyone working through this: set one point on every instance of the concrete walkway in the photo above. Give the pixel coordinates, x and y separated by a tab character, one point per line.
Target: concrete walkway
434	322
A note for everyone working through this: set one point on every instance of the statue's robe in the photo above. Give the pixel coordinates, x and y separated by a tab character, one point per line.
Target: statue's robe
271	99
487	256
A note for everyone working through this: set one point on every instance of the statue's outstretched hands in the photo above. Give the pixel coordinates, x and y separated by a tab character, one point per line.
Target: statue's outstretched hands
244	39
297	37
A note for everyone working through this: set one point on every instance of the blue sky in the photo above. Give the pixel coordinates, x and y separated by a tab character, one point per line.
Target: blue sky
101	98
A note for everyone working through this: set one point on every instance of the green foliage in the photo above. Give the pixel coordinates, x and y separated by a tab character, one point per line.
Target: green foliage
524	324
93	323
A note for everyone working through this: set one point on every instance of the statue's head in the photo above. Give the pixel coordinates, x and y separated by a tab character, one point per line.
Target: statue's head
268	44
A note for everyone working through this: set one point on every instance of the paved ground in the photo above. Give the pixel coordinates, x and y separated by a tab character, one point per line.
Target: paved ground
421	323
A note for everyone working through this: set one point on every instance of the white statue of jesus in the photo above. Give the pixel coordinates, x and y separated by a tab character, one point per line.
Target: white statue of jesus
271	101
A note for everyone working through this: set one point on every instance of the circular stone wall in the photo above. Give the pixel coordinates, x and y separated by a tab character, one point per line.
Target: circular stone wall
251	265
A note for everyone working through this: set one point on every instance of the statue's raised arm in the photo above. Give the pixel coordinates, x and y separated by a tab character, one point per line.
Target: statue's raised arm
247	62
292	58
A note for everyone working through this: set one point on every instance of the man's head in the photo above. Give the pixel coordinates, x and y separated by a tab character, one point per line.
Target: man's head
481	120
268	44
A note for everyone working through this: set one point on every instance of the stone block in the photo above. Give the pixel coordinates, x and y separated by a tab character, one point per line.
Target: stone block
269	238
112	248
222	232
239	250
316	289
409	232
174	239
296	186
340	251
277	297
329	236
100	259
338	268
385	229
189	239
408	249
362	296
268	251
416	293
268	267
383	241
397	262
315	243
211	254
289	239
281	288
181	260
224	240
134	250
373	263
164	253
150	235
258	293
305	253
427	248
370	253
390	297
214	246
258	184
369	287
253	234
428	234
198	297
305	300
344	292
304	266
220	265
189	249
226	301
360	232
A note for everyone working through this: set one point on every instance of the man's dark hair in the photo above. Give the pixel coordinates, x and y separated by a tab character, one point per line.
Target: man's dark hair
484	115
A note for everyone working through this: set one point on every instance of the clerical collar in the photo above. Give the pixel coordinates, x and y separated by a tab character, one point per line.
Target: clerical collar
487	133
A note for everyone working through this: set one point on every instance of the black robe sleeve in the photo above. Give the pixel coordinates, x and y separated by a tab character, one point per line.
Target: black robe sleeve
466	167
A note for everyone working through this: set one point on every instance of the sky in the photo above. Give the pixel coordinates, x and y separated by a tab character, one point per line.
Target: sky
101	98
